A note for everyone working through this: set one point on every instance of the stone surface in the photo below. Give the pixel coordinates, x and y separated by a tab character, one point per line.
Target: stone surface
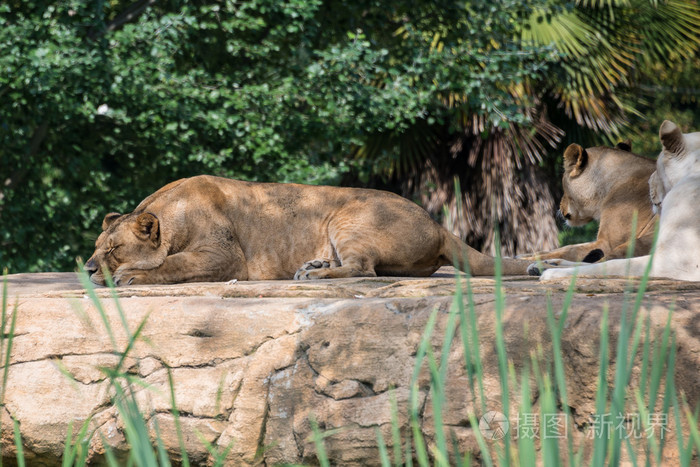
252	362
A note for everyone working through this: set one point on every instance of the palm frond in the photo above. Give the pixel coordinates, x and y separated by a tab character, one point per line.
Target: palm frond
602	44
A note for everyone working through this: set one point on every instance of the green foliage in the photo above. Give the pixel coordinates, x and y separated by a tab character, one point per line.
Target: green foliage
572	235
101	103
665	93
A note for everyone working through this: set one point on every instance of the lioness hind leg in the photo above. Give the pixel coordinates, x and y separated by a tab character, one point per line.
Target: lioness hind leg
334	270
302	272
335	273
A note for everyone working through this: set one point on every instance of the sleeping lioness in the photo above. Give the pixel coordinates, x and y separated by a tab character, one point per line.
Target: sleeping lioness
610	186
207	228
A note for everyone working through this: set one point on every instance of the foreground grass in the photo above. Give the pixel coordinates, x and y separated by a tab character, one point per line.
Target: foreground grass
654	398
623	410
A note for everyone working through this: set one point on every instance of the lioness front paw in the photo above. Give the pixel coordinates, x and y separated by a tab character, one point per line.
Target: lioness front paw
555	273
303	272
538	268
128	277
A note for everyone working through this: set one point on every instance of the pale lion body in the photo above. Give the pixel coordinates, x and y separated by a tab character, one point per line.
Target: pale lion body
608	185
675	186
214	229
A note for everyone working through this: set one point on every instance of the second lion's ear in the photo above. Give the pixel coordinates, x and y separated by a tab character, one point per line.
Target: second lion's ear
672	139
625	145
575	160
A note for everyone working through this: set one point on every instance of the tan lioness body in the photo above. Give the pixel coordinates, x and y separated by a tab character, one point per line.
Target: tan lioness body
207	228
609	185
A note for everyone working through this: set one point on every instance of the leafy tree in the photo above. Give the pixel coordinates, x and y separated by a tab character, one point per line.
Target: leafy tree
103	102
604	50
665	93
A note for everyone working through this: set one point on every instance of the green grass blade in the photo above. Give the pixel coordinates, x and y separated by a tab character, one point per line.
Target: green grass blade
135	430
383	453
218	456
3	315
75	451
438	401
485	453
115	298
18	443
439	378
600	439
556	330
90	292
644	419
548	408
163	459
464	334
5	360
526	440
9	338
395	429
84	442
621	378
419	442
646	356
658	363
68	448
670	390
318	442
500	305
474	341
176	416
409	456
109	453
131	342
447	340
693	422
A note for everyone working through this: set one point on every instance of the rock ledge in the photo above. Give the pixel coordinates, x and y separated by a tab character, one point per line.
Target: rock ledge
252	361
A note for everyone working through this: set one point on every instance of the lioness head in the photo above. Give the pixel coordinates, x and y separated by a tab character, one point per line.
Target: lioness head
127	241
679	157
578	205
582	182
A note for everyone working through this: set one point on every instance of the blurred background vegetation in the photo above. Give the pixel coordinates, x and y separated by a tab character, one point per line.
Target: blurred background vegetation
104	101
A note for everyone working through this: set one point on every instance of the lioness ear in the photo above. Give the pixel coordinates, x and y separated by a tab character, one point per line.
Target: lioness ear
575	160
109	219
147	227
672	138
625	145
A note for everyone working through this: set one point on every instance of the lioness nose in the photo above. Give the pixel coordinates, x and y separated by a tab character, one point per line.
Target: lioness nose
567	216
91	266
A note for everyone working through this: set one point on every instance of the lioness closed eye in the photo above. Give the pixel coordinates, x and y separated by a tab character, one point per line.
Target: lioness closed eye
208	228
